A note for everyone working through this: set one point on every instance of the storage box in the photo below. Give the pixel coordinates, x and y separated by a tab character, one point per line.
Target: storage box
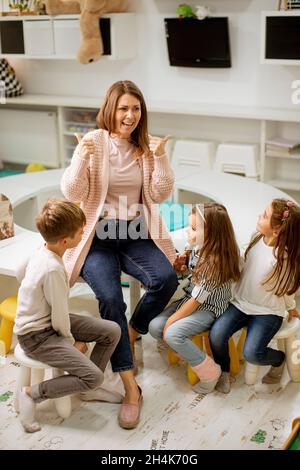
11	37
66	37
38	37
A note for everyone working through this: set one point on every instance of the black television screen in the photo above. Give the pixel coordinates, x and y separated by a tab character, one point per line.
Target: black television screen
198	43
282	37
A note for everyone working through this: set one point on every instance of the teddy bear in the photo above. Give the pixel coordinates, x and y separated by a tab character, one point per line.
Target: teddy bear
91	47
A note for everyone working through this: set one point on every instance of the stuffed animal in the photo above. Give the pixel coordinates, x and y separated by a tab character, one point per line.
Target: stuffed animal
91	47
202	12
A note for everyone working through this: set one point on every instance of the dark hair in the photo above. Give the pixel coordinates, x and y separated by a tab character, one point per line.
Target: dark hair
285	276
106	116
59	219
219	255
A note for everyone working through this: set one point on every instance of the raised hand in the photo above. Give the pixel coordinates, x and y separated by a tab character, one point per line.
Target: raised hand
87	148
157	145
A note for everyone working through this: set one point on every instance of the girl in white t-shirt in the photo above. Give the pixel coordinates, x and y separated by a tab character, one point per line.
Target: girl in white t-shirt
265	291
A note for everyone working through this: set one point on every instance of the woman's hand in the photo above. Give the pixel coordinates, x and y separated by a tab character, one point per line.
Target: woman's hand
81	346
293	314
157	145
180	265
87	148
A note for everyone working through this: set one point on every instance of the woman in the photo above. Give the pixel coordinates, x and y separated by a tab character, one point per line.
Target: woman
118	180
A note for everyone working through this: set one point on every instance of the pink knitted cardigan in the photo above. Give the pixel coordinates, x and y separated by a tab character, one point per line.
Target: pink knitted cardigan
86	180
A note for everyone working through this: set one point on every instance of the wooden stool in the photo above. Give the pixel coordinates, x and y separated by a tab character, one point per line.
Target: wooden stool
27	366
202	341
8	310
286	340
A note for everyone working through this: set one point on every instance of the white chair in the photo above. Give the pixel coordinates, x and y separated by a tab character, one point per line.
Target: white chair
237	158
287	342
190	156
32	371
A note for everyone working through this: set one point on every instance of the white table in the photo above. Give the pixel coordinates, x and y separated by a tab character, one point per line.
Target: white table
244	199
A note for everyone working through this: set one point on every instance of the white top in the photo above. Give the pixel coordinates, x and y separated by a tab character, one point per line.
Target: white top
43	295
250	296
125	181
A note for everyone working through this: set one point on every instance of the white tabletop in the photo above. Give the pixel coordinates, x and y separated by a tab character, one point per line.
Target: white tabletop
244	199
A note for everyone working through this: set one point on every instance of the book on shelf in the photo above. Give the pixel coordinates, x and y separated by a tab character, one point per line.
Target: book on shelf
280	147
282	143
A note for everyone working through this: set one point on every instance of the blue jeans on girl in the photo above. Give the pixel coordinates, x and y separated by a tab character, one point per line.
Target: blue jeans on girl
141	259
260	331
178	334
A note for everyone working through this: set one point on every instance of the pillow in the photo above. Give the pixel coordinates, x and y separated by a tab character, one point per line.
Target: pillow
7	75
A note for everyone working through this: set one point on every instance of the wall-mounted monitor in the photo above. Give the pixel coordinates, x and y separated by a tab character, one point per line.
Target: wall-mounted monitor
280	34
198	43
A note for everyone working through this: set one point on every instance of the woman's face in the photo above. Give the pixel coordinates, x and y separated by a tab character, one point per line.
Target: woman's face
128	115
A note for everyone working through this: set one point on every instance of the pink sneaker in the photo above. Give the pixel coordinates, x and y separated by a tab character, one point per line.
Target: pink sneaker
129	415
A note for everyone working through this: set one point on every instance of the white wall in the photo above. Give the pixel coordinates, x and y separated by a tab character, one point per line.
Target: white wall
247	82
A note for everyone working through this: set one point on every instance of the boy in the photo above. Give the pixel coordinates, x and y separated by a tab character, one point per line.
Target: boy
46	332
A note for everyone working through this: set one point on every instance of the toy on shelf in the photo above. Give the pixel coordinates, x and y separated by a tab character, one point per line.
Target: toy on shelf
91	48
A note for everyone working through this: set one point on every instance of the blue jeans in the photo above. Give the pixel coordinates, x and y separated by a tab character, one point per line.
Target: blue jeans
141	259
260	331
179	333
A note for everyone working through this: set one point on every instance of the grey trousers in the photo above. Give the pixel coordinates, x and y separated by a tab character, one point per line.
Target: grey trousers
83	373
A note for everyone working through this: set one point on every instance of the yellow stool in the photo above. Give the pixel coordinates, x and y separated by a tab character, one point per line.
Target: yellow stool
8	310
202	341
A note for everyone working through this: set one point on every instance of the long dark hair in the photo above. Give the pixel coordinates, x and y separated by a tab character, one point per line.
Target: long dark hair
106	116
219	255
285	277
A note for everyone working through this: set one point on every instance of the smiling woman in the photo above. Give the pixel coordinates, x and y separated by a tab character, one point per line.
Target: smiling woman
119	173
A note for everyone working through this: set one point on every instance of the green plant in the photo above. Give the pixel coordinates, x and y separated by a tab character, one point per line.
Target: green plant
20	5
184	10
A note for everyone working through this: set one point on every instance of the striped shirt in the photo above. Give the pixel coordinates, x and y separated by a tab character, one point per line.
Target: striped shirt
211	297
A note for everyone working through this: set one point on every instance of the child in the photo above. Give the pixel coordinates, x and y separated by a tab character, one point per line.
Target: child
270	278
46	332
213	264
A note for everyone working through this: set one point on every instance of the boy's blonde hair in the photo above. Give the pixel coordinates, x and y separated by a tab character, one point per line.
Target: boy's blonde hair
59	219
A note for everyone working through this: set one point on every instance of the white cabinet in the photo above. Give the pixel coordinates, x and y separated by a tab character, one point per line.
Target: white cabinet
66	35
58	37
281	171
29	136
38	38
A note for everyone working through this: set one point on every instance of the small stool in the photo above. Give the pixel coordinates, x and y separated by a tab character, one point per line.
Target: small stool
285	337
27	365
8	310
202	341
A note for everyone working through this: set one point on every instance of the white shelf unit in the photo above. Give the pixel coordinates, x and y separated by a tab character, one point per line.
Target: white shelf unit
58	37
79	121
283	40
29	135
214	122
281	171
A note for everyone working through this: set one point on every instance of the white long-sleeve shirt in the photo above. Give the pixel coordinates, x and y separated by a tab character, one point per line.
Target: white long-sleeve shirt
249	295
43	295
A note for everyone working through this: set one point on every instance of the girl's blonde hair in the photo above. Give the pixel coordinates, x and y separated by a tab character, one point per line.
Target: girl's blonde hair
285	277
219	255
106	116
